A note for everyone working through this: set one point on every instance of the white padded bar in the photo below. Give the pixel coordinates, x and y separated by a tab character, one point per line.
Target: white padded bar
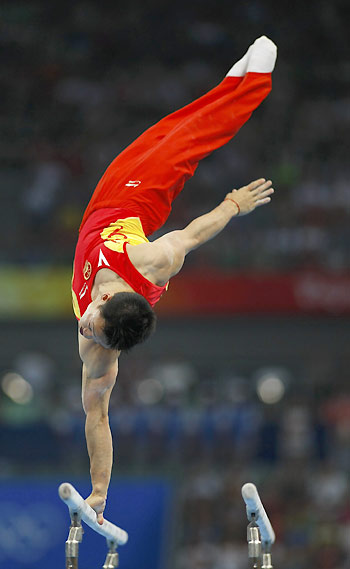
254	506
77	505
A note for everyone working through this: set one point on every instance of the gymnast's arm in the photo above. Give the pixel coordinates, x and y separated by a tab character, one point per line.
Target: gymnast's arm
100	368
174	246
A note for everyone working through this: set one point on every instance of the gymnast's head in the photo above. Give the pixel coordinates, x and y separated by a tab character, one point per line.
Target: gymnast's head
118	321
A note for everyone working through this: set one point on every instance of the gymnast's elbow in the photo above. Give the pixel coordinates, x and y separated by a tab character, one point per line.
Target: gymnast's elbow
95	398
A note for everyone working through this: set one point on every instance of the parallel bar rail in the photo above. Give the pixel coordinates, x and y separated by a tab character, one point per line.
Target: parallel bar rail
78	506
256	511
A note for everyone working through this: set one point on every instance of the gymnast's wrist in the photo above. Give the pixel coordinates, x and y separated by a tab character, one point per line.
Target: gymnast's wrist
234	206
99	491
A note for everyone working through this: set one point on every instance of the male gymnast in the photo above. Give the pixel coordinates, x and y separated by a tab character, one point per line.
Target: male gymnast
118	274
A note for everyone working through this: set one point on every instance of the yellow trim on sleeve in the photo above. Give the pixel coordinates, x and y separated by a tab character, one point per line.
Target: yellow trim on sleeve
75	302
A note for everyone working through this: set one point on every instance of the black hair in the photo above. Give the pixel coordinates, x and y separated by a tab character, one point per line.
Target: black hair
129	320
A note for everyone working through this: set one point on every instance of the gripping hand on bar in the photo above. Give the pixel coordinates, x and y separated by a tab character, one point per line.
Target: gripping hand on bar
255	508
77	505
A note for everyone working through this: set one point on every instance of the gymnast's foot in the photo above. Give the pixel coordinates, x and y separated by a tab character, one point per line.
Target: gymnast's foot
260	58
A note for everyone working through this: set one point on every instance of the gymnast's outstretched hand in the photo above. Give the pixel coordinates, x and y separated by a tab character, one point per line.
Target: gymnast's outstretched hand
97	503
253	195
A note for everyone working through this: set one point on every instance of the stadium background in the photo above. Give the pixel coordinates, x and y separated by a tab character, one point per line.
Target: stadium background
247	377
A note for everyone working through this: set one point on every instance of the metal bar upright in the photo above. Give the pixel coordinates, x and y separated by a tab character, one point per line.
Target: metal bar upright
254	542
266	561
112	559
74	539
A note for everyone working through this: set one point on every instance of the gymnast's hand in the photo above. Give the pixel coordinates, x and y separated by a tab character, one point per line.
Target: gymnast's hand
249	197
97	503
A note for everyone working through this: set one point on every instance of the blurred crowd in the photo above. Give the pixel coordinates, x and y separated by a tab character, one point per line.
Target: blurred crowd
308	508
209	431
80	82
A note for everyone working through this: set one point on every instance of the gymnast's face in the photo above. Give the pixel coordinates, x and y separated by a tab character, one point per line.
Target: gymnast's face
92	322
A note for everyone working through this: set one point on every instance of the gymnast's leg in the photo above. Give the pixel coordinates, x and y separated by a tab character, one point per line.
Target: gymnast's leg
159	162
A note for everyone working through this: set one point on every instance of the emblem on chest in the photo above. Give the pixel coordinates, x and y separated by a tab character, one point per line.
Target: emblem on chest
87	270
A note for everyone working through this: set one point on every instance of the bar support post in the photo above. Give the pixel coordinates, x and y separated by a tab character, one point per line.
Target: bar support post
112	559
75	537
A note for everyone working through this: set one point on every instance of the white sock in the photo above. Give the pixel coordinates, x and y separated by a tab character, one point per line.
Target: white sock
262	56
239	69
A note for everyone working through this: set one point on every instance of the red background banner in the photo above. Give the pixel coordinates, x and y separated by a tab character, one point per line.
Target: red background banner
197	293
